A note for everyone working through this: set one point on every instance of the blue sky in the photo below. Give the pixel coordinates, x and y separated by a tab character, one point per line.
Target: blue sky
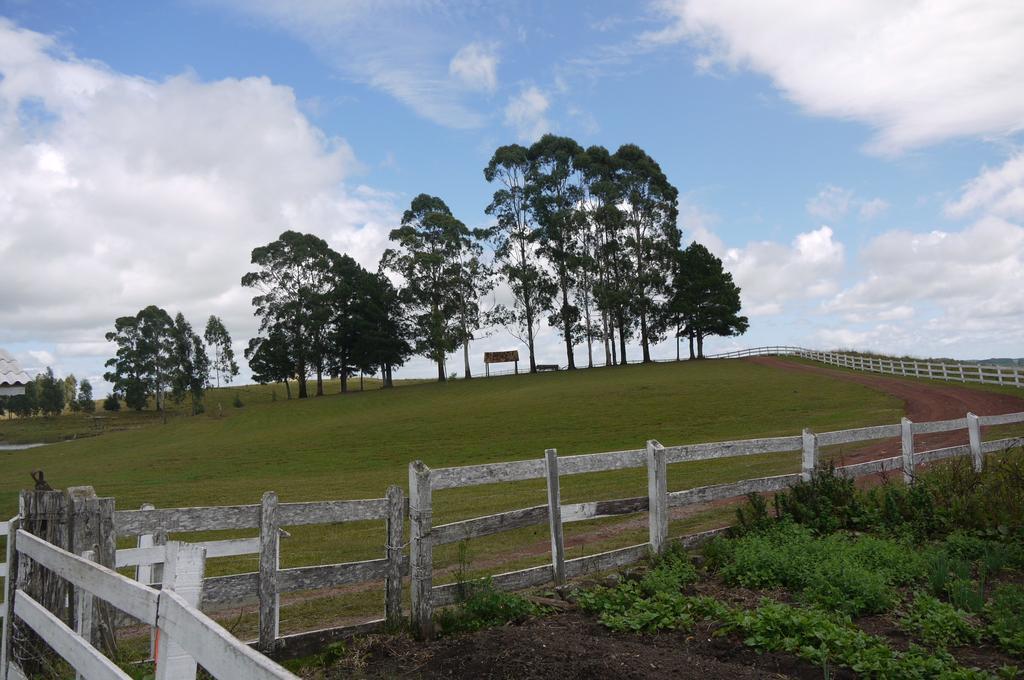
857	166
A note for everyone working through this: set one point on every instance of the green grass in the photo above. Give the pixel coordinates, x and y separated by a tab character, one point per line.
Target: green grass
355	445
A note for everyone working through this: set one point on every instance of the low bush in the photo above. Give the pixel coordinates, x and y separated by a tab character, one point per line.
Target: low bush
484	607
938	624
1006	618
854	575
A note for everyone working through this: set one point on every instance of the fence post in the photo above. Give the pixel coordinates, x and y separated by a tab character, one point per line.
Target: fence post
421	550
9	587
85	620
269	544
393	552
555	516
657	493
184	569
907	440
810	455
974	437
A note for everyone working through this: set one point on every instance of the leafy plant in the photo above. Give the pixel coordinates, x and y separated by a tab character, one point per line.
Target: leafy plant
484	607
937	623
966	594
1006	615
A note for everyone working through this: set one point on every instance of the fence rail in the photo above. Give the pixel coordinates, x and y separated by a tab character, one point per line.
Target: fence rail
424	481
188	636
965	372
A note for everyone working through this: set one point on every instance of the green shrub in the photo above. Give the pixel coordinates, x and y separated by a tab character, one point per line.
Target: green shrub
484	607
937	623
854	575
966	594
1006	616
826	639
825	504
238	401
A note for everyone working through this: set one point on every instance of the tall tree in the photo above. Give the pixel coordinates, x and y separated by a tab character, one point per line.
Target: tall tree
554	187
515	247
428	254
381	329
270	359
217	337
652	237
70	391
144	362
191	365
474	280
85	398
293	278
51	393
705	300
345	307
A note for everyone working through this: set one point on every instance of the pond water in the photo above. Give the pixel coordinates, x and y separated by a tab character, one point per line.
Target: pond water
19	447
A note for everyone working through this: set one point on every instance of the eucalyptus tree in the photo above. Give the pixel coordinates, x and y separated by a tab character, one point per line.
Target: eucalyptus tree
649	211
430	245
705	299
270	358
218	338
191	364
144	362
344	301
293	279
555	191
515	239
474	280
382	328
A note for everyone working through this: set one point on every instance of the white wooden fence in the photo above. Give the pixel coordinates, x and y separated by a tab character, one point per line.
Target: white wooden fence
424	481
989	374
187	636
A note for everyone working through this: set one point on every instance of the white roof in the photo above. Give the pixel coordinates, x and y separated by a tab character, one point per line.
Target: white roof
10	372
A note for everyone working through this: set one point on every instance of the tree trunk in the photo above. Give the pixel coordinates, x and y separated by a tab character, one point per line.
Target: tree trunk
441	377
700	346
677	346
692	355
644	340
604	336
360	381
465	357
590	339
287	388
622	339
319	379
566	328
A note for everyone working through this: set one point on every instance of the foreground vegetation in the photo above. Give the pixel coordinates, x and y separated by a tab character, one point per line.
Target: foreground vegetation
938	564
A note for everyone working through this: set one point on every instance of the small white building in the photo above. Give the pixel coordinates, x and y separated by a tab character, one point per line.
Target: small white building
12	378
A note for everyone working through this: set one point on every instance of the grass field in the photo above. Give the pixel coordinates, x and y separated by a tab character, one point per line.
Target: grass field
354	445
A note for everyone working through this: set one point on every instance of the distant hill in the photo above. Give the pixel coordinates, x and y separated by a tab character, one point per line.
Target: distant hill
1002	362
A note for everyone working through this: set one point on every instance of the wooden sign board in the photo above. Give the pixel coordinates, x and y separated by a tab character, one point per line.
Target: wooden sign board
501	357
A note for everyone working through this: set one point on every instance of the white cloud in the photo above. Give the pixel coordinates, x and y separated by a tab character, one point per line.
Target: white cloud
999	191
919	72
526	112
831	203
124	192
402	47
871	209
772	274
476	66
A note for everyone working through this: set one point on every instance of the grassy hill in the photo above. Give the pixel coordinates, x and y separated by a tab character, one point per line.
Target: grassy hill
354	445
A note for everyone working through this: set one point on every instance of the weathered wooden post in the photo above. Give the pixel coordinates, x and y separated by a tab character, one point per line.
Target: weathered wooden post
393	552
974	437
907	441
555	516
421	550
657	492
809	459
10	581
269	556
184	569
144	572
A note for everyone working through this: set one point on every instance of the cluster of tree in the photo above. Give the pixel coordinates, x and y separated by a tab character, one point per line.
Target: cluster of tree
321	313
583	237
159	356
48	395
590	239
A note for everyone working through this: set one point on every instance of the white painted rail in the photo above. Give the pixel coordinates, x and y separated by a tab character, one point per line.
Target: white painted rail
424	481
964	372
183	626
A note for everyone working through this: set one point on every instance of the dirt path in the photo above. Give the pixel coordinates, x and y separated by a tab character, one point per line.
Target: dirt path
922	402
